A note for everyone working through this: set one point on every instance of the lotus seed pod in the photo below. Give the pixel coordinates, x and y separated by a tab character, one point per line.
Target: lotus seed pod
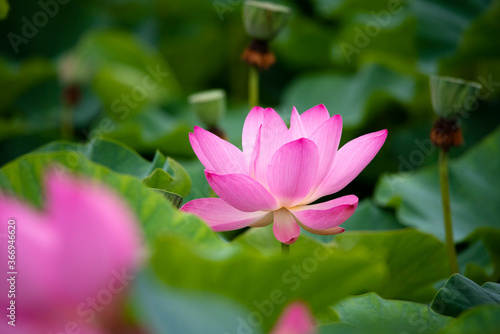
452	97
210	105
73	69
446	133
264	20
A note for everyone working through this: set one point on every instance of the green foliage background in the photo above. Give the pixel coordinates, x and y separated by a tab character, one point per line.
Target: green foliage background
366	60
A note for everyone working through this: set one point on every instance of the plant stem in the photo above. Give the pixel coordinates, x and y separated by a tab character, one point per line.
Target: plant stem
253	87
285	249
67	121
448	226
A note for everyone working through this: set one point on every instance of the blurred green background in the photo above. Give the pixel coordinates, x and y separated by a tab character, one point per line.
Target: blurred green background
125	69
365	60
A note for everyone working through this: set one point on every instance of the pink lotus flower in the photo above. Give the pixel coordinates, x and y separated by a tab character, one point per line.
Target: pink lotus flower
295	319
280	171
82	245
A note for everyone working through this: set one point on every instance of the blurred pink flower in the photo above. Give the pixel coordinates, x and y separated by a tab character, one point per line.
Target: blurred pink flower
83	244
295	319
280	171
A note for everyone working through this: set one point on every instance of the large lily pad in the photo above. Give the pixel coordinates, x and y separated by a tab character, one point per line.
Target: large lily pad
253	271
460	294
162	173
371	314
23	178
415	261
151	130
483	320
165	309
240	270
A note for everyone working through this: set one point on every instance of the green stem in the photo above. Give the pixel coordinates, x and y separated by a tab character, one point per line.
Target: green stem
67	121
253	87
285	249
448	226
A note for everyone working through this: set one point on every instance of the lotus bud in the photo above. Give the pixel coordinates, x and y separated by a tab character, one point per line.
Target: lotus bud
210	106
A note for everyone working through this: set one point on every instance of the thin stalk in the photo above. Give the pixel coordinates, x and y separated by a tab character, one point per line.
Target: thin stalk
285	249
67	121
253	87
448	226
